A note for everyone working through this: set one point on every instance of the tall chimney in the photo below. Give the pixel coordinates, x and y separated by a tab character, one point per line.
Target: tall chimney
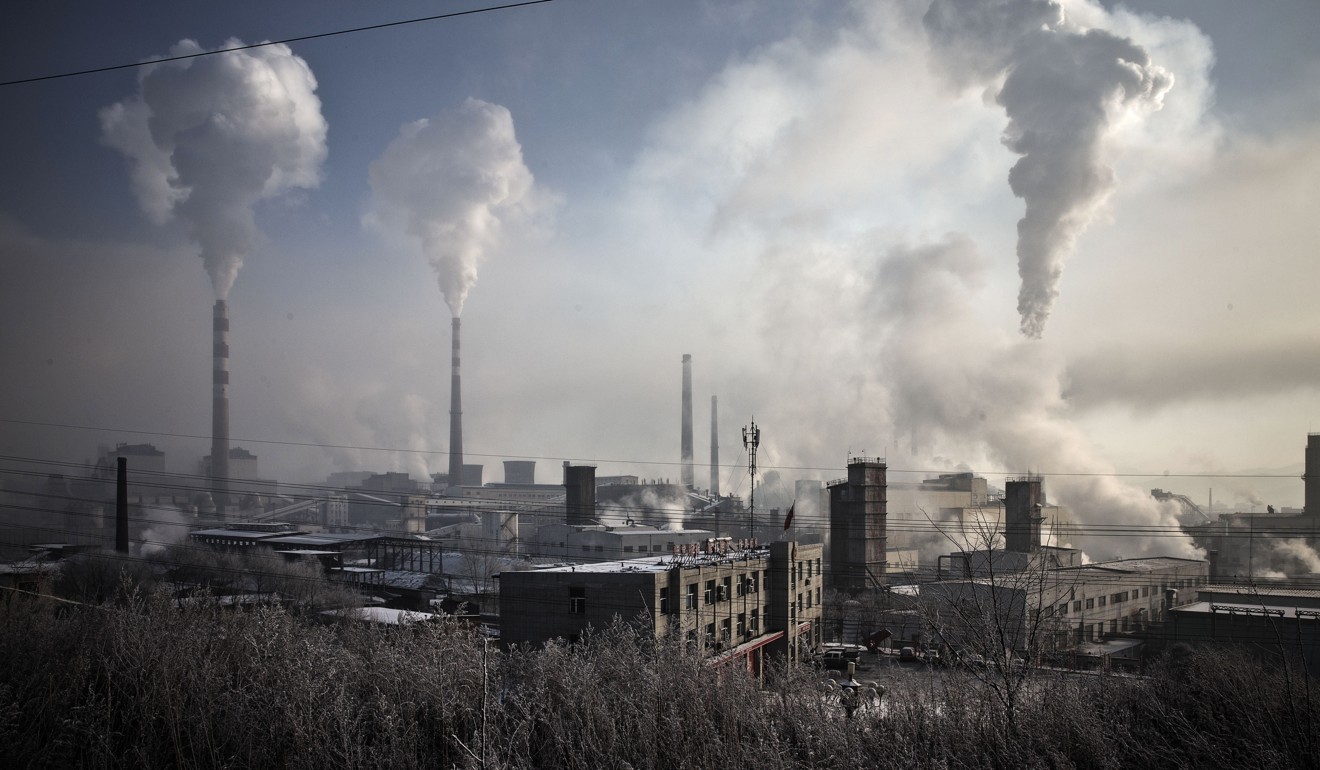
455	419
688	479
220	409
1311	476
714	448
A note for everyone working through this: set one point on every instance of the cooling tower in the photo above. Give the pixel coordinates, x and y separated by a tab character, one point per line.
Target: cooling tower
714	448
688	478
519	471
220	409
455	419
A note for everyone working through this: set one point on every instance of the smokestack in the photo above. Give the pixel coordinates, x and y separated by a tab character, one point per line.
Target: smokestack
714	447
1311	477
688	479
455	419
220	409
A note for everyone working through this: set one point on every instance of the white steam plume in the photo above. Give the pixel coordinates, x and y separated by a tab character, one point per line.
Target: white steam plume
1063	89
959	383
446	180
210	137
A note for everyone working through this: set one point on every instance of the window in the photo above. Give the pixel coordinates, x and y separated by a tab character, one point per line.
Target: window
1077	606
725	629
691	603
600	548
726	588
755	582
1090	604
1102	601
817	596
1063	608
742	624
664	601
808	599
709	596
577	601
710	633
627	549
756	616
655	548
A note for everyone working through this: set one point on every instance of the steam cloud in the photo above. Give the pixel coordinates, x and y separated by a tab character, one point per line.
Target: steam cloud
963	384
446	180
212	136
1063	89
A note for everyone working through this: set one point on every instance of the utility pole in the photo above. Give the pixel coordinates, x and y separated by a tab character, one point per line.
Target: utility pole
752	440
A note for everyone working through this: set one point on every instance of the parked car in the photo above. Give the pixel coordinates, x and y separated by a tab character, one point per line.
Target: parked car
833	659
908	655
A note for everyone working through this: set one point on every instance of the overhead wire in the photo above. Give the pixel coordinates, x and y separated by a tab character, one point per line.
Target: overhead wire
282	41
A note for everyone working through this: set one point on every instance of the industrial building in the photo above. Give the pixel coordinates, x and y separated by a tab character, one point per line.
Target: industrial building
733	599
1244	545
1268	621
598	542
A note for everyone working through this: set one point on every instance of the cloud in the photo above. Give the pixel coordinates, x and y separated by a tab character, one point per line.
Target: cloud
1150	377
210	137
447	181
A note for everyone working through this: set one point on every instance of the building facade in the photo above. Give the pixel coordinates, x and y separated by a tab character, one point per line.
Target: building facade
724	597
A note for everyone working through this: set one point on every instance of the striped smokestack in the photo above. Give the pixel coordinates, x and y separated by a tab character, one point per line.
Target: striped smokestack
220	409
455	419
714	447
688	477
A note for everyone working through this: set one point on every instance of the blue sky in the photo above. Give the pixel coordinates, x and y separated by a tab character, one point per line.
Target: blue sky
795	193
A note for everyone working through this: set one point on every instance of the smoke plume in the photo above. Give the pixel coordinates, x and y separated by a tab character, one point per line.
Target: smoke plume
1063	89
210	137
446	180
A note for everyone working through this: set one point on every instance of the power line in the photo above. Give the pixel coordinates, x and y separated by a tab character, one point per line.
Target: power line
629	461
298	39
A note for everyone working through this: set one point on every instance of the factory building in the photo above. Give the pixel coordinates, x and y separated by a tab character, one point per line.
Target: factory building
1270	622
733	601
1249	544
598	542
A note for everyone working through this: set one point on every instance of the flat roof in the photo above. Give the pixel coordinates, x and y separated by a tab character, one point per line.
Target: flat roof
1251	592
1245	609
237	534
661	564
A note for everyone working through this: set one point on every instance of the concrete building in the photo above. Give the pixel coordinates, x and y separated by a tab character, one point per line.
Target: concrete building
858	541
1054	611
598	542
735	602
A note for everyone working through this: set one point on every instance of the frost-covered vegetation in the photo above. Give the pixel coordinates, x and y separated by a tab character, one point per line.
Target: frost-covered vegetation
140	681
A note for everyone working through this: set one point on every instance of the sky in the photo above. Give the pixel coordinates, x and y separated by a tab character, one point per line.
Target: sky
1070	238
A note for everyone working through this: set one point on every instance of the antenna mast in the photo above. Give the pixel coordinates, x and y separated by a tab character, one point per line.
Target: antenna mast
752	440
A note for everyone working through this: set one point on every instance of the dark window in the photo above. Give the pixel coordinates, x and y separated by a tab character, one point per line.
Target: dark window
691	603
1090	604
577	600
709	597
664	601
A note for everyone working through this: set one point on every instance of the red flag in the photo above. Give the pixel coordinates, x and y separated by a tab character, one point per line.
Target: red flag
788	520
